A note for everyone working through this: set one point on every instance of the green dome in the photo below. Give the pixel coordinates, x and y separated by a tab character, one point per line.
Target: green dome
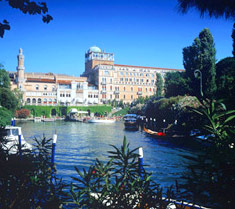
94	49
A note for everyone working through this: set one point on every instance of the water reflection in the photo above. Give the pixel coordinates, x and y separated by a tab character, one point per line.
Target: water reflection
79	144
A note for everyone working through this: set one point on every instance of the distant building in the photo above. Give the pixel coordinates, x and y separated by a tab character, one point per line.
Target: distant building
120	82
50	88
102	81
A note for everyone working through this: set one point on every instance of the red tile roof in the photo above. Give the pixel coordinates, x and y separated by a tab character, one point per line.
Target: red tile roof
64	82
157	68
41	80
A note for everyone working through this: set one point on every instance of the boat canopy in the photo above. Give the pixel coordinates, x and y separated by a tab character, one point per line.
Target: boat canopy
73	110
130	116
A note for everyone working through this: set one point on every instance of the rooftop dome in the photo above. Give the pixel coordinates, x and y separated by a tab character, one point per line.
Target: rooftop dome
94	49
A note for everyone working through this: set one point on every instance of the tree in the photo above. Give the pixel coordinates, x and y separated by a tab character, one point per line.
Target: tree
8	99
225	71
27	7
215	8
176	84
159	85
201	56
4	78
233	37
5	117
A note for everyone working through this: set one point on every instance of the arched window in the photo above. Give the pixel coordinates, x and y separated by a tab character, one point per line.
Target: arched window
50	101
45	87
53	88
34	101
39	101
28	100
44	100
37	87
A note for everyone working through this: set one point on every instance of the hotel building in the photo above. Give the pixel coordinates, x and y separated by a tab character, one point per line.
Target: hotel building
102	81
120	82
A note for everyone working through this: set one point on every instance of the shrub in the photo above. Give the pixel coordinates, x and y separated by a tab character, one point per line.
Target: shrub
22	113
117	184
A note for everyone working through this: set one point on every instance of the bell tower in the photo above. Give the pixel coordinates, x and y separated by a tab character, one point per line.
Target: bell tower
20	68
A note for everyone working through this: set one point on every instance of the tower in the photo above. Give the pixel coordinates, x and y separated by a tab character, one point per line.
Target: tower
20	68
94	56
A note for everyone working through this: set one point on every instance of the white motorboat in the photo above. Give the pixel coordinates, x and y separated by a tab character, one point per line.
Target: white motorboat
101	120
11	140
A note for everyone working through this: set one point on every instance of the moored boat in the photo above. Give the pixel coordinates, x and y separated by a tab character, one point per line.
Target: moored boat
11	140
131	121
101	120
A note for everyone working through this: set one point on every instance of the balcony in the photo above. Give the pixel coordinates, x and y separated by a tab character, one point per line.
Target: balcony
116	92
103	92
139	93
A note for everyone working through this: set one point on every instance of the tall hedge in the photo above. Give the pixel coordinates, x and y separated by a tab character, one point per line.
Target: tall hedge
38	111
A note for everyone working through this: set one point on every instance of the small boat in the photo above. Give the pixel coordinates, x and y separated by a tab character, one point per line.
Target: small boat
37	119
99	120
154	133
11	140
76	116
131	121
48	119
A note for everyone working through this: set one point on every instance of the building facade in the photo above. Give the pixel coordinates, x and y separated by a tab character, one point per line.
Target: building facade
120	82
101	82
50	88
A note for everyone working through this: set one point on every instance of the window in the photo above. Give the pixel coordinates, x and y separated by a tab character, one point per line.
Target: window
28	100
45	87
121	73
147	75
126	79
124	88
150	89
39	101
141	74
131	96
34	101
53	88
37	87
130	79
111	88
137	80
106	72
45	100
141	80
121	79
111	80
124	96
126	73
146	90
116	96
111	96
131	88
139	89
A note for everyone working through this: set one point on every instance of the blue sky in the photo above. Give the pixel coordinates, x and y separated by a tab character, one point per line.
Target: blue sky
139	32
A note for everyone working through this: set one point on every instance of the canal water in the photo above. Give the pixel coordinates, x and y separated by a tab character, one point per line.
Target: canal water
79	144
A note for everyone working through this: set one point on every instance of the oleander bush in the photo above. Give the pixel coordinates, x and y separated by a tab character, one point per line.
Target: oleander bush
22	113
117	184
26	182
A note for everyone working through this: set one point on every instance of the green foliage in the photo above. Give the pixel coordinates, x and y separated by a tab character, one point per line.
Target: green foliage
63	110
121	112
225	71
214	8
201	56
26	182
116	184
176	84
212	178
159	85
22	113
233	37
26	7
171	109
8	99
5	117
4	78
